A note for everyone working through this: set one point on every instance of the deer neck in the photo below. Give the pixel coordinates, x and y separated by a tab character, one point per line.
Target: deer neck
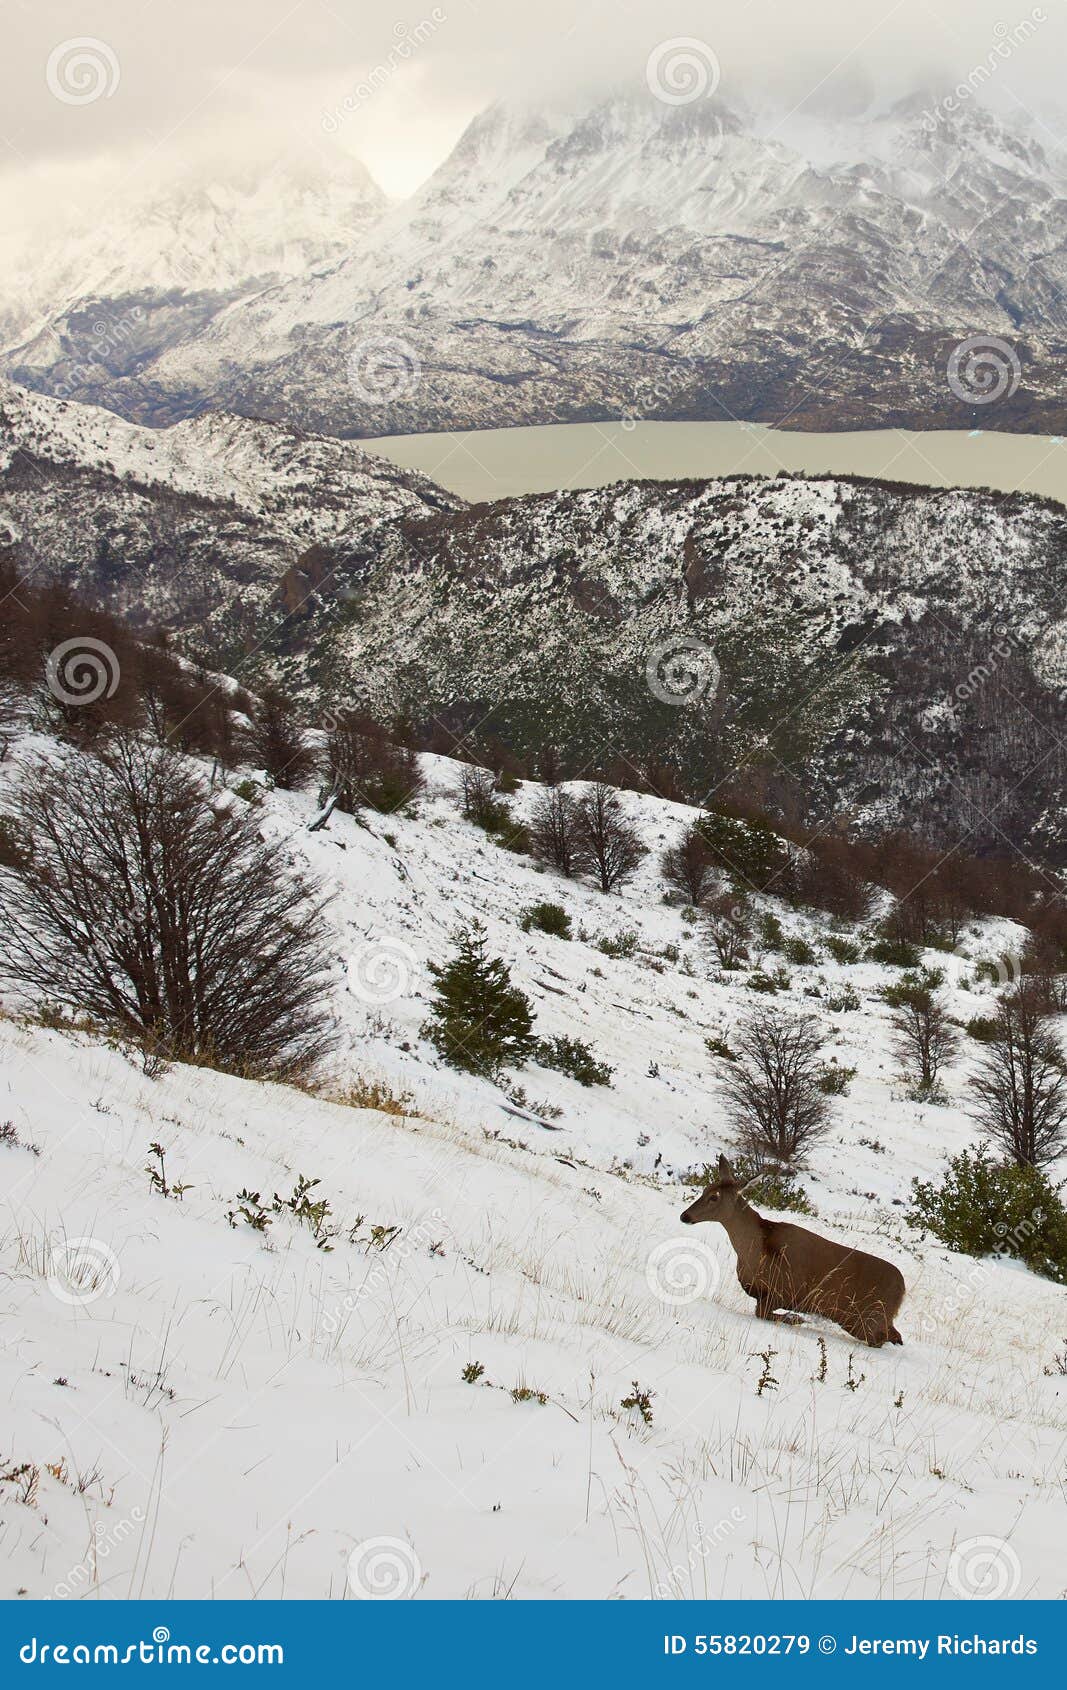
744	1228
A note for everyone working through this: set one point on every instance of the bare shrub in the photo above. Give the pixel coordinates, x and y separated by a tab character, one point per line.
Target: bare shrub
689	867
157	914
1020	1089
275	742
729	927
772	1089
824	877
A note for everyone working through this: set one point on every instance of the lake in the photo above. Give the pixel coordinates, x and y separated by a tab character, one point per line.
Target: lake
496	463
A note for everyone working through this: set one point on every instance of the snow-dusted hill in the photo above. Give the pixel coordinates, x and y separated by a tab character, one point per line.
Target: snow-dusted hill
215	525
200	1410
640	259
905	648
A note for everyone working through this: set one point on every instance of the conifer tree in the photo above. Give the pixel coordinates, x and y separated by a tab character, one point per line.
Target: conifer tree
479	1021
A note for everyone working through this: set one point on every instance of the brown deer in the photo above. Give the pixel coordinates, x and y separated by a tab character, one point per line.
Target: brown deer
787	1267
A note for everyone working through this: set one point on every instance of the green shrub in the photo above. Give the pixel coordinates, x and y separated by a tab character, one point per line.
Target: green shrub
983	1028
800	953
843	999
748	852
718	1046
759	981
618	945
913	987
573	1057
894	953
248	790
982	1207
842	950
514	836
770	931
835	1079
988	969
546	918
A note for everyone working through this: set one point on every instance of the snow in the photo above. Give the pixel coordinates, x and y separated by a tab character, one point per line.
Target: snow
236	1413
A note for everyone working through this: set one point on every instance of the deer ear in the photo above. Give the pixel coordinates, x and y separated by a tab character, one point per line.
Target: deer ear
725	1169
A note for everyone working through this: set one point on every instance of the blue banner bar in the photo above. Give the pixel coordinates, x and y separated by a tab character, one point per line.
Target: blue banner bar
509	1646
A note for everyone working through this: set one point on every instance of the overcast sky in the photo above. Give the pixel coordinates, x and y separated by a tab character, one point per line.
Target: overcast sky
166	79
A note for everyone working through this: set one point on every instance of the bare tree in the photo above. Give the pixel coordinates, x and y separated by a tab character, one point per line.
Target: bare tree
689	867
923	1036
1020	1090
554	830
608	846
772	1090
278	744
729	929
365	768
156	913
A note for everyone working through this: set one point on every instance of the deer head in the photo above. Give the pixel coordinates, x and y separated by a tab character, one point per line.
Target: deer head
720	1199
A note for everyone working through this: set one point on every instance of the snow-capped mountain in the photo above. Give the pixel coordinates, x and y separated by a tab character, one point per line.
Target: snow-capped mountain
697	261
141	269
215	526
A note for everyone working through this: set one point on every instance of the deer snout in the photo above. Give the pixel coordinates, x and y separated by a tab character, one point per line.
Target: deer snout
688	1216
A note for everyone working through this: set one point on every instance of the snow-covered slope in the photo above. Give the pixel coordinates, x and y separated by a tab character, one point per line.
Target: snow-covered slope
640	259
195	1409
